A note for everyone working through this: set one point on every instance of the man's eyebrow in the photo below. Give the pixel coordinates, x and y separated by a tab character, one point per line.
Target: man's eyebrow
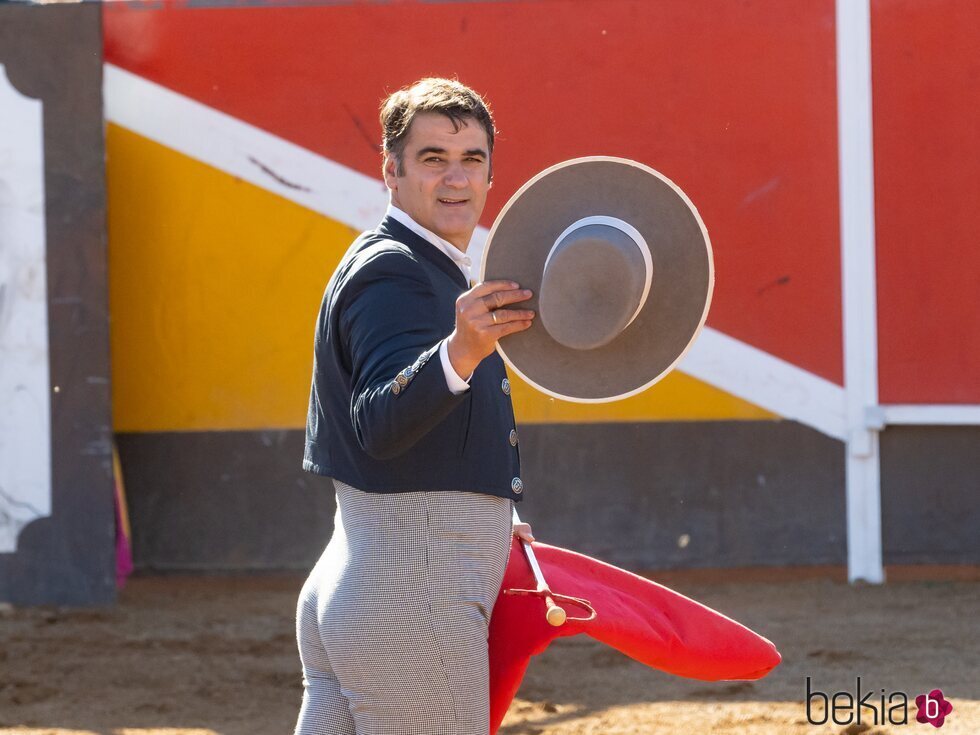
430	149
442	151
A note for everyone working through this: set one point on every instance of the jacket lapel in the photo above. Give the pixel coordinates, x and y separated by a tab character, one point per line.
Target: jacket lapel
420	246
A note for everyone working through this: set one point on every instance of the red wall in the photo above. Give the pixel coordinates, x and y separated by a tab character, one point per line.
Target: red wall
926	81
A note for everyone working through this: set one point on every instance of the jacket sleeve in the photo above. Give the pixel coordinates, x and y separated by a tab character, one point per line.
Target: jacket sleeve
389	324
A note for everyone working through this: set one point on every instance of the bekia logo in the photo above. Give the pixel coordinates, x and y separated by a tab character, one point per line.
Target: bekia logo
933	708
875	707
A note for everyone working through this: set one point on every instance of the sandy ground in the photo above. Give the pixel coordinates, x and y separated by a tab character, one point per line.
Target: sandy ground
206	656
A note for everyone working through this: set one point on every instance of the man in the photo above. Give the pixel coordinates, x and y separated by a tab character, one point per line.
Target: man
410	415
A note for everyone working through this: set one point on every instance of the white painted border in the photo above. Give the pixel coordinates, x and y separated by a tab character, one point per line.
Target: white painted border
25	381
627	229
711	273
939	414
345	195
856	160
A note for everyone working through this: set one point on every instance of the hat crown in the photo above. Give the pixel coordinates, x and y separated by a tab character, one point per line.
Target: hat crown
595	281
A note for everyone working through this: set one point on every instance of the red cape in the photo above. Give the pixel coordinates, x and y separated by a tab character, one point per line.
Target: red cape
640	618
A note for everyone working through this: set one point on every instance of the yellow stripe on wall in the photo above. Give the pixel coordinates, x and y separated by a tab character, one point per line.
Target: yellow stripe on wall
214	288
678	397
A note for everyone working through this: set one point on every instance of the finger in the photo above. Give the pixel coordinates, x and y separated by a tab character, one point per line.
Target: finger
523	531
501	298
503	330
487	287
504	316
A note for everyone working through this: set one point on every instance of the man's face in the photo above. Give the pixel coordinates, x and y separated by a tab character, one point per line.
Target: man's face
443	185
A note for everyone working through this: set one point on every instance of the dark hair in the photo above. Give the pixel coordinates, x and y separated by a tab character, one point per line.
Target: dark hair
446	96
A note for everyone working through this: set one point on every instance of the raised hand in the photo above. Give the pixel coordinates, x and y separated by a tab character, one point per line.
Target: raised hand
481	320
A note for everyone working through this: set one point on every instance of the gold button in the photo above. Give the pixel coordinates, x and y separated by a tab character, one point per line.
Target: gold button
396	388
513	437
400	379
516	485
505	386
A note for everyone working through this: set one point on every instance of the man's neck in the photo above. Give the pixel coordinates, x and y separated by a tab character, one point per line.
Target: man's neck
459	257
442	243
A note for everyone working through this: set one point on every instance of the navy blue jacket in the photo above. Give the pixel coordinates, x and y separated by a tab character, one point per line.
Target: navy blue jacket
381	417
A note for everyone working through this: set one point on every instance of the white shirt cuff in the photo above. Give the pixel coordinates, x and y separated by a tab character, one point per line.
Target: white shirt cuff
456	384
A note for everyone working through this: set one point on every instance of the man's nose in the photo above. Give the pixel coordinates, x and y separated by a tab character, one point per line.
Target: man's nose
455	176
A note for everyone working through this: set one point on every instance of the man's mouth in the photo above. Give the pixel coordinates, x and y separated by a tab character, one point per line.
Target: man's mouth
452	202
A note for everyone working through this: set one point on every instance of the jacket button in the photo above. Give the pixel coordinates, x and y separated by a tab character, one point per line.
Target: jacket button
396	388
513	437
516	485
505	386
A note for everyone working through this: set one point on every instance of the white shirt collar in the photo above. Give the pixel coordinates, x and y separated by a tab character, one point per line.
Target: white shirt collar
461	259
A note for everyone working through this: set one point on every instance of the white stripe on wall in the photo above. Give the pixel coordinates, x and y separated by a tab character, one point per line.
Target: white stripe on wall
767	381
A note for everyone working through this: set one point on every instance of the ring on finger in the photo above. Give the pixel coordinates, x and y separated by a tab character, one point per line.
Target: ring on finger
493	315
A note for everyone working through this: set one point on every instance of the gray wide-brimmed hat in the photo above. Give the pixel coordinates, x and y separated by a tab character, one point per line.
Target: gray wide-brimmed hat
620	266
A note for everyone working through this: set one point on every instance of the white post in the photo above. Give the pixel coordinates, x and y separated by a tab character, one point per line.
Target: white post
856	159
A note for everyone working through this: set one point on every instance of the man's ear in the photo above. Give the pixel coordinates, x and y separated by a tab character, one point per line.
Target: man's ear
388	170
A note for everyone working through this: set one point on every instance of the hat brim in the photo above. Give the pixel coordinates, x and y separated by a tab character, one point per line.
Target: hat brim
680	294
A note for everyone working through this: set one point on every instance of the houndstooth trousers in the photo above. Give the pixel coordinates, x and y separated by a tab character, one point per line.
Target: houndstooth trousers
392	622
